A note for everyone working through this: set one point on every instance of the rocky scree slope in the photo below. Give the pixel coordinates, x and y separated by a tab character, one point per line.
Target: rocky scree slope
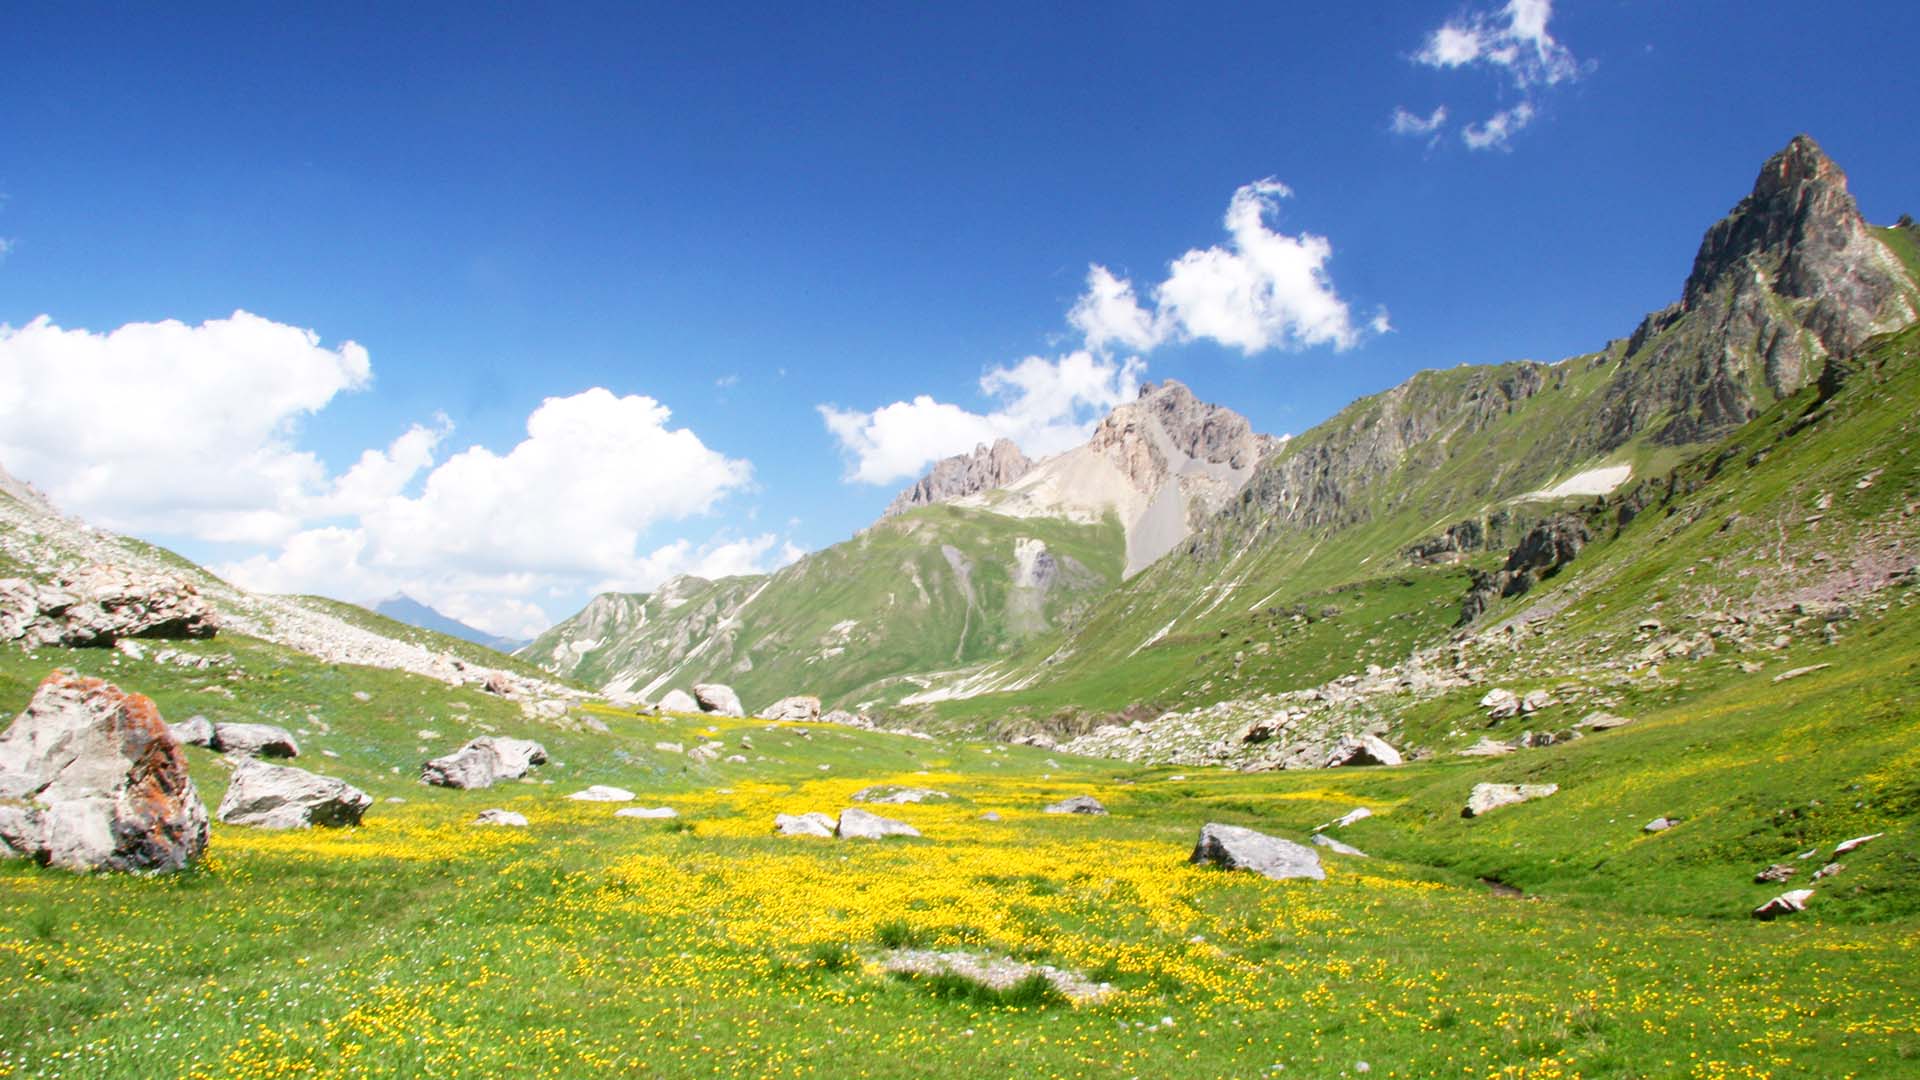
1793	278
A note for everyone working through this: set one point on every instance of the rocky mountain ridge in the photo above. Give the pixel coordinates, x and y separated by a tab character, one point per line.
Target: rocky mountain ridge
956	477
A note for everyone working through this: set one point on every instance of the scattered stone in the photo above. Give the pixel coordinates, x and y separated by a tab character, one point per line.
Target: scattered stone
886	793
1786	903
90	779
283	797
990	815
1775	874
1039	739
1828	871
1234	848
1078	804
1659	824
1537	700
362	696
801	708
1848	845
1363	750
1328	842
1486	748
501	817
736	759
1799	671
1487	797
1358	813
705	753
255	740
815	824
857	824
1602	721
195	730
100	606
603	793
718	699
679	701
1500	704
994	972
648	813
484	761
669	748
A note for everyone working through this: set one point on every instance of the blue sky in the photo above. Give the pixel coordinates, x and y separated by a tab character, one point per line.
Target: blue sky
745	213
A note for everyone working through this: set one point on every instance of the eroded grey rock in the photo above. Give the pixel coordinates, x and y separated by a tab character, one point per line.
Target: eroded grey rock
1077	804
1487	797
857	824
814	824
255	740
718	699
1232	847
283	797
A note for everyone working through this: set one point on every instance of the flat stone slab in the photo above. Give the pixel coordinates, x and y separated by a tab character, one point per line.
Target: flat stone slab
1232	847
602	793
1078	804
995	972
857	824
1487	797
815	824
650	813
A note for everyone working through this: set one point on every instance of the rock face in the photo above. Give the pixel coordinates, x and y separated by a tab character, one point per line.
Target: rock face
1540	554
483	761
679	701
90	779
100	606
1487	797
803	825
800	708
1791	277
857	824
1234	848
283	797
988	467
1078	804
718	699
255	740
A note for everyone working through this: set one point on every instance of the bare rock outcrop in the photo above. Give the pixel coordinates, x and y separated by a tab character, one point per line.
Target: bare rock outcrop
91	779
101	605
988	467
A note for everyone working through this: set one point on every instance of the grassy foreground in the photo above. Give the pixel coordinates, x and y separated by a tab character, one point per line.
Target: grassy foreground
417	945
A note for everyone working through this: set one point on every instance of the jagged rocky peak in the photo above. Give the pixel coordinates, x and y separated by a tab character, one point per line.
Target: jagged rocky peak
988	467
1791	277
1166	416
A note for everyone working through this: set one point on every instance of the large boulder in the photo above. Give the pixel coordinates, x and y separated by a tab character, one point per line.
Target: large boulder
1234	848
255	740
718	699
800	708
1362	750
1787	903
1500	704
1485	797
679	701
102	605
1078	804
815	824
857	824
283	797
91	779
483	761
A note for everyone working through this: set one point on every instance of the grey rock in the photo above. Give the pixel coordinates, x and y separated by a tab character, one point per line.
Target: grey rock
1602	721
1077	804
102	605
1328	842
1234	848
994	972
1828	871
800	708
283	797
1849	845
1362	750
255	740
602	793
1775	874
679	701
1500	704
887	793
195	730
501	817
988	467
90	779
484	761
1535	700
705	753
1487	797
1659	824
1787	903
1038	739
814	824
718	699
857	824
654	813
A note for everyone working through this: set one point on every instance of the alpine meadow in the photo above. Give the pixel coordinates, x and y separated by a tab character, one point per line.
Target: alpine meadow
680	642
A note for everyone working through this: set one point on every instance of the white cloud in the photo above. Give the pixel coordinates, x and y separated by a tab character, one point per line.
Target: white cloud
1498	128
1406	123
1109	312
1514	42
1263	290
1045	406
169	428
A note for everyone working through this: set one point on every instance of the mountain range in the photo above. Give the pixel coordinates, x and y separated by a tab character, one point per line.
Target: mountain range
999	589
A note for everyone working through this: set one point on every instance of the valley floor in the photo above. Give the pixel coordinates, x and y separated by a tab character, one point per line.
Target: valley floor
420	945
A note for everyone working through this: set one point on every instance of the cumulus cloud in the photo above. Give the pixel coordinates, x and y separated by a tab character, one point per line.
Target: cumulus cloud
569	504
1045	406
1261	290
170	428
1512	41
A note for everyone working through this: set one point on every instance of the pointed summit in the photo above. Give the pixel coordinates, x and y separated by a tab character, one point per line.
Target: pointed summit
988	467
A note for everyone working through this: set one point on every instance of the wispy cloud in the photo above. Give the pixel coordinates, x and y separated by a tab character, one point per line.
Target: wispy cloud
1513	42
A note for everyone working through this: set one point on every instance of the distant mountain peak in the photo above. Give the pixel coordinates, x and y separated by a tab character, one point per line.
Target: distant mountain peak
403	608
956	477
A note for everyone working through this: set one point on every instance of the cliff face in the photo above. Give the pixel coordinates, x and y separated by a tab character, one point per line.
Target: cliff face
988	467
1790	278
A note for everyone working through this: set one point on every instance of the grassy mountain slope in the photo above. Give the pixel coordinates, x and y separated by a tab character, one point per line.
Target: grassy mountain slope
934	589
